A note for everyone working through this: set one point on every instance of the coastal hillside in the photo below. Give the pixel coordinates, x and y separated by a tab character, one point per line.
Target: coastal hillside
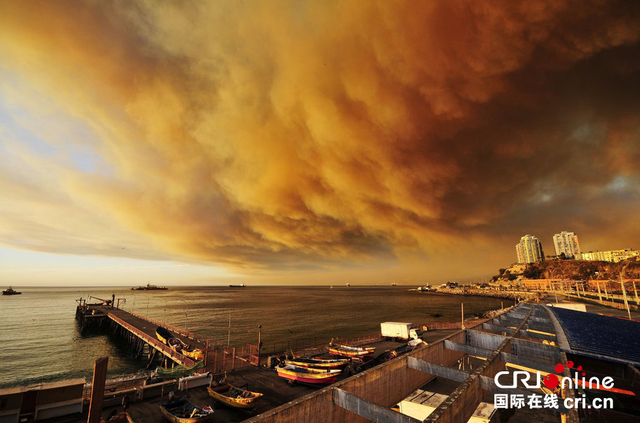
570	269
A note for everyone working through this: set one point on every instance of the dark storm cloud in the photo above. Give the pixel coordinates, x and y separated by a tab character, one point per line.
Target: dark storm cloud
284	134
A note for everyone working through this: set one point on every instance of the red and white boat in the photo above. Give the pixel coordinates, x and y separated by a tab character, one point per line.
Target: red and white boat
307	374
349	351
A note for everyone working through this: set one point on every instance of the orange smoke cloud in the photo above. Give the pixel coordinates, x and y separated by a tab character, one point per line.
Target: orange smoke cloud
290	134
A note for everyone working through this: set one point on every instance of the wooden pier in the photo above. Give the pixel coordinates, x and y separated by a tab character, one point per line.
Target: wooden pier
138	330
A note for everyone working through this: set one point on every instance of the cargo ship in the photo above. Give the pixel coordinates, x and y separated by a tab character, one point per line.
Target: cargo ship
149	287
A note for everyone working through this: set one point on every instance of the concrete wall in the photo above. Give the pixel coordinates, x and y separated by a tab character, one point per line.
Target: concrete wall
485	340
10	406
157	389
60	409
51	400
193	382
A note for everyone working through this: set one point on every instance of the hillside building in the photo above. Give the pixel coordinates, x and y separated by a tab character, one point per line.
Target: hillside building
612	256
529	249
566	243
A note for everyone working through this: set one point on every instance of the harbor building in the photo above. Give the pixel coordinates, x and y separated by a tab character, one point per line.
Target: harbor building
566	243
612	256
529	249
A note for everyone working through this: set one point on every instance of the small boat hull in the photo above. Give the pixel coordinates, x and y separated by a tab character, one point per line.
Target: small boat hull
122	417
178	345
319	363
349	351
184	411
233	396
308	375
196	353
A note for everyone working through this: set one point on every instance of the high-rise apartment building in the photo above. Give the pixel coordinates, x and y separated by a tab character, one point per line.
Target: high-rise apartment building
567	243
529	249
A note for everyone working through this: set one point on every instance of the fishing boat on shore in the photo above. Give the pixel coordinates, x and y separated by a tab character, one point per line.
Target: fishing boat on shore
178	344
234	396
307	374
349	351
149	287
10	291
182	410
192	352
237	285
164	335
319	363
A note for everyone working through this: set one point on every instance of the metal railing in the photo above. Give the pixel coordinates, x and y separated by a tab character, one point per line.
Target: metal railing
227	359
311	346
442	325
173	354
172	328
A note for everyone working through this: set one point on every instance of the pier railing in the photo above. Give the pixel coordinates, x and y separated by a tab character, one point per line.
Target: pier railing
227	359
442	325
362	340
310	346
172	328
174	355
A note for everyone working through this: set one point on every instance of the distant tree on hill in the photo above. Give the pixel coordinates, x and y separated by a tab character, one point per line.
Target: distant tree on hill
532	272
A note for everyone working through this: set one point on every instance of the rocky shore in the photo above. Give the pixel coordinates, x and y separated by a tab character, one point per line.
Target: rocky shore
509	295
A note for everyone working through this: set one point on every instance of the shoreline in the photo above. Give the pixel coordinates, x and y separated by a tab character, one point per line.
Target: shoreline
507	295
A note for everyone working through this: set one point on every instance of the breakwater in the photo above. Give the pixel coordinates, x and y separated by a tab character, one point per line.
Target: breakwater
517	296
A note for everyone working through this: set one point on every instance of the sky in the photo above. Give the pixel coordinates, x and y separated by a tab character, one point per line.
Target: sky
311	142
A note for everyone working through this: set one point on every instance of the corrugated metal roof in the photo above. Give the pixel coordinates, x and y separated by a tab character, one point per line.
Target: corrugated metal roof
601	335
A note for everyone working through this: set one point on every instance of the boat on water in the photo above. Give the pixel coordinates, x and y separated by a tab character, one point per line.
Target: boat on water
182	410
178	344
234	396
237	285
349	351
308	374
149	287
319	363
10	291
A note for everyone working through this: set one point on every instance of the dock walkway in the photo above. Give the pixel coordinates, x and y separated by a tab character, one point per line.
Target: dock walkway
142	328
